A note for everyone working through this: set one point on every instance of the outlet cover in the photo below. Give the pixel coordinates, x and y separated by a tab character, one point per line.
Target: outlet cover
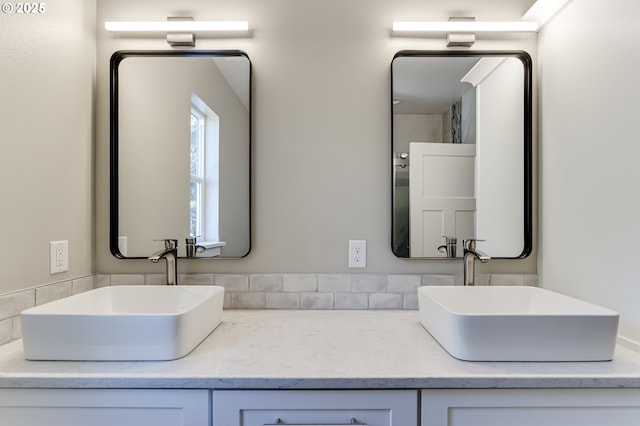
357	253
58	256
123	245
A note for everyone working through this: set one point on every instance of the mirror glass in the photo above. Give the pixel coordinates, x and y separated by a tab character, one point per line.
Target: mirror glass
180	152
461	153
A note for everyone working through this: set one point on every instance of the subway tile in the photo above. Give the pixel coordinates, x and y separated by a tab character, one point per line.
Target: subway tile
283	301
328	283
233	283
264	291
351	301
482	279
17	327
368	283
316	300
155	279
507	279
248	301
81	285
531	280
385	301
12	304
103	280
459	278
52	292
265	283
127	279
299	282
195	279
440	279
403	283
6	331
410	301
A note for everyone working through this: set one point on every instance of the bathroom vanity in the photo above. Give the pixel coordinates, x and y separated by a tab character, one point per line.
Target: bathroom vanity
321	368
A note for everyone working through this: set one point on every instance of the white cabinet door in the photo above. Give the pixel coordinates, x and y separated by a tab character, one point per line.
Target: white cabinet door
371	408
531	407
103	407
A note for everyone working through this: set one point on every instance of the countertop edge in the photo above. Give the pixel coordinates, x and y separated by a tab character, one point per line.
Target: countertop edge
551	382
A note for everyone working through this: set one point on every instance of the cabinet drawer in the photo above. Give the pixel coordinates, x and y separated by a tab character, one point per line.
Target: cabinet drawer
259	408
104	407
531	407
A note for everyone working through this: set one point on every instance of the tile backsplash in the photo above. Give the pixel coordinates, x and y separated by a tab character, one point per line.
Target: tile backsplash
319	291
261	291
12	304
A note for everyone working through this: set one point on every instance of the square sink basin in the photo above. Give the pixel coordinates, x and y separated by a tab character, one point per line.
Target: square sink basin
123	323
511	323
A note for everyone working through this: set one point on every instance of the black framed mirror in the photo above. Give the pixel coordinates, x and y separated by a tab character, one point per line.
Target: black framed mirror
180	152
461	153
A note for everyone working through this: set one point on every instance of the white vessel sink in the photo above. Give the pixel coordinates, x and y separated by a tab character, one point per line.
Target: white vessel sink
510	323
132	323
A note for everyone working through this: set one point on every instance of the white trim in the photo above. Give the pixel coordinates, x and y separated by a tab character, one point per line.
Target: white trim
543	11
481	70
628	343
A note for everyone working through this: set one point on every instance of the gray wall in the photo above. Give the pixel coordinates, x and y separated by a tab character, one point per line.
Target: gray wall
322	123
46	129
589	156
321	130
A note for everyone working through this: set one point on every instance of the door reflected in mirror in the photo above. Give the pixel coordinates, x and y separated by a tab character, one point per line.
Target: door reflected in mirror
461	144
180	152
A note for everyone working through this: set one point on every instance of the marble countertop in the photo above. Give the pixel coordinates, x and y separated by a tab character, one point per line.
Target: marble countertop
265	349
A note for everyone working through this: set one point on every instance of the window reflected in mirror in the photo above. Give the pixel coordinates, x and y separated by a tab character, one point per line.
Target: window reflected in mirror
204	194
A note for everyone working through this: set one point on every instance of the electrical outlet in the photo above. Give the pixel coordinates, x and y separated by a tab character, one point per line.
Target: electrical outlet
357	253
58	256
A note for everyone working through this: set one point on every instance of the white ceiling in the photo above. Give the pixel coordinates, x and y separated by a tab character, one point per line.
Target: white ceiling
429	85
237	73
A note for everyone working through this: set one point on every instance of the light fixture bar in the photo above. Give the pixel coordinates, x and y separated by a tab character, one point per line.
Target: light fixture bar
176	26
465	26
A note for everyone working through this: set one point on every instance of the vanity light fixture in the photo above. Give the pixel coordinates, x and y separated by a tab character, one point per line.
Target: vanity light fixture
541	12
461	39
180	31
454	26
177	26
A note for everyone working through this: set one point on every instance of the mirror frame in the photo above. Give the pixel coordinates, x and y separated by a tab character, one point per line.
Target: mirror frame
525	58
116	58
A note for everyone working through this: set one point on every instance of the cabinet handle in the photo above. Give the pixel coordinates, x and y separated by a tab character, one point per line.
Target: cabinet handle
352	422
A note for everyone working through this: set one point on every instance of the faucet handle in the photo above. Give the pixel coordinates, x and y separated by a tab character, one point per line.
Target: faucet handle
190	244
169	243
470	243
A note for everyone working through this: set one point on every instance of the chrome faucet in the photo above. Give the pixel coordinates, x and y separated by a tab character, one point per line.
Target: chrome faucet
470	256
170	254
449	246
190	244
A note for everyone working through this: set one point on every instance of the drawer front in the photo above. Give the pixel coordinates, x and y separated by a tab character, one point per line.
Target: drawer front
531	407
315	408
103	407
